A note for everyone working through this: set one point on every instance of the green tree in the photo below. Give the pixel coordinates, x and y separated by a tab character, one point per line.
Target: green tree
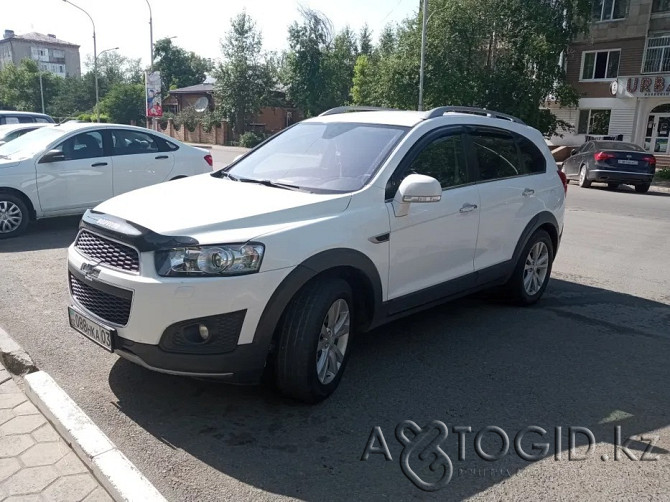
365	41
20	87
178	67
305	72
339	68
362	91
124	103
501	55
245	77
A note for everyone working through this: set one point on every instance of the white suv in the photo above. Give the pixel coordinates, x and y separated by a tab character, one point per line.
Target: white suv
336	225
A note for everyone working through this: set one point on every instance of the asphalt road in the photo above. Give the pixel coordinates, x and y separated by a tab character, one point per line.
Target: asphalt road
592	353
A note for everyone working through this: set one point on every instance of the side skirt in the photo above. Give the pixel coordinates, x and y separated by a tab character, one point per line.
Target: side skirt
428	298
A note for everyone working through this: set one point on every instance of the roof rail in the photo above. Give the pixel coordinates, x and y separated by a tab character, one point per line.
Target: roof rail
345	109
438	112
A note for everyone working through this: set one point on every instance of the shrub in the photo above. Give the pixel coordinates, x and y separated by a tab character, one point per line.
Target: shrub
663	174
251	139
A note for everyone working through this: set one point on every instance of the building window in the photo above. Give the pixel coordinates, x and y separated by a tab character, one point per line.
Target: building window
600	65
607	10
661	6
657	55
594	122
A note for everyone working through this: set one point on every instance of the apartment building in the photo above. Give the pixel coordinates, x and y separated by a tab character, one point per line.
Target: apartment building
621	70
52	54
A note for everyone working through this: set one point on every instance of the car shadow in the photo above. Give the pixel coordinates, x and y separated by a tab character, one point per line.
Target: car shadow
49	233
583	356
629	189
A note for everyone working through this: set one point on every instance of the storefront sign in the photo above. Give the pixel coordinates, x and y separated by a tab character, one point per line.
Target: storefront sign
641	86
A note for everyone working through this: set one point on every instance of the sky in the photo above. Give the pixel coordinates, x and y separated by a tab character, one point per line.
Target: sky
199	25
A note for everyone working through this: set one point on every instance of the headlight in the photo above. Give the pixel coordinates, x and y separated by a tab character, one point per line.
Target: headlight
216	260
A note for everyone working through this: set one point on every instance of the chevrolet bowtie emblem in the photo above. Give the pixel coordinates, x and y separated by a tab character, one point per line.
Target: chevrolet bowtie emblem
90	270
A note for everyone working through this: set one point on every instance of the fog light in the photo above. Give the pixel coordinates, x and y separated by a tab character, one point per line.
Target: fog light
204	332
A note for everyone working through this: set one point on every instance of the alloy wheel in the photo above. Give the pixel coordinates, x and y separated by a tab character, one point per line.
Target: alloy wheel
535	270
10	216
333	341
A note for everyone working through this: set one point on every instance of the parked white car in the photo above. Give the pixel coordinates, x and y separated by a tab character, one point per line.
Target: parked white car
68	168
336	225
11	132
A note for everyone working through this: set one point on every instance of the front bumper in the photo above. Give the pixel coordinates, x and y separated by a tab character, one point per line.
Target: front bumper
622	177
157	304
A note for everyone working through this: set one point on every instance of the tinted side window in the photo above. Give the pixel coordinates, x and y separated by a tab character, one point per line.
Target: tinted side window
530	157
496	154
27	120
127	142
11	120
164	145
86	145
444	160
42	120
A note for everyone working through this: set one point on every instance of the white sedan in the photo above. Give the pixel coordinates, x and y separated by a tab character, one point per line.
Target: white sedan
68	168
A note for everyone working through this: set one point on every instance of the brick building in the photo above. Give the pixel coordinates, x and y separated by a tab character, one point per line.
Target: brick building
52	54
621	71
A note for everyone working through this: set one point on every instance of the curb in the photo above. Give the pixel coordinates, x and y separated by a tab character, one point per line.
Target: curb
13	357
122	480
116	473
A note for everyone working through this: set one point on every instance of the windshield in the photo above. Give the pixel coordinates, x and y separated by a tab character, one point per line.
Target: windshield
334	157
31	143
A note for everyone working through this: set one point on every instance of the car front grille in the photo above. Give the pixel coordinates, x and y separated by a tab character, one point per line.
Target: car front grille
109	253
107	306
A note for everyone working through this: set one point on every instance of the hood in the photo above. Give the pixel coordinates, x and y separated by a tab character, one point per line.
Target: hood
203	203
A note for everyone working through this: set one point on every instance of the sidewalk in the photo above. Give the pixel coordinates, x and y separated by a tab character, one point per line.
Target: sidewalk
35	462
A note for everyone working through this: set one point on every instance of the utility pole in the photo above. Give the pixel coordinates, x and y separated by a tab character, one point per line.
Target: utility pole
39	70
423	52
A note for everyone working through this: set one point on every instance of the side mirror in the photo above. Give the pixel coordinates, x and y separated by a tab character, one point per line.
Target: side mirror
52	156
573	151
416	188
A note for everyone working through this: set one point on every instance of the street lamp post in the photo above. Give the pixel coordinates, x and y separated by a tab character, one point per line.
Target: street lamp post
423	52
151	36
95	59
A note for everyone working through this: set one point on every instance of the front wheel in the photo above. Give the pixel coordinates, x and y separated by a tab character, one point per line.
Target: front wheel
314	338
584	182
644	188
13	215
532	271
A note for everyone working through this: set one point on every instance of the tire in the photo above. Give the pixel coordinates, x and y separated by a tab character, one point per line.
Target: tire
517	287
14	215
613	186
644	188
305	346
583	181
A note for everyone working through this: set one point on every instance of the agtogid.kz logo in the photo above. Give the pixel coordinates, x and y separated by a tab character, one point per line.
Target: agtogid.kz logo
426	463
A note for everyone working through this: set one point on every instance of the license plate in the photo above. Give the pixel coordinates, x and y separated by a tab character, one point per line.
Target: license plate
629	162
90	329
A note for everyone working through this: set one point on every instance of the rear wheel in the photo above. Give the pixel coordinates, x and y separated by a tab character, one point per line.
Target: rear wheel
583	181
14	215
532	271
644	188
315	335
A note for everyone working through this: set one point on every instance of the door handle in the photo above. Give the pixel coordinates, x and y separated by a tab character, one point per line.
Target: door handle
467	207
161	157
99	164
528	192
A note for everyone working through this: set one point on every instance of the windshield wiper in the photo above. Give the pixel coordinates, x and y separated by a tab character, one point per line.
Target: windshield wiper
270	183
228	175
